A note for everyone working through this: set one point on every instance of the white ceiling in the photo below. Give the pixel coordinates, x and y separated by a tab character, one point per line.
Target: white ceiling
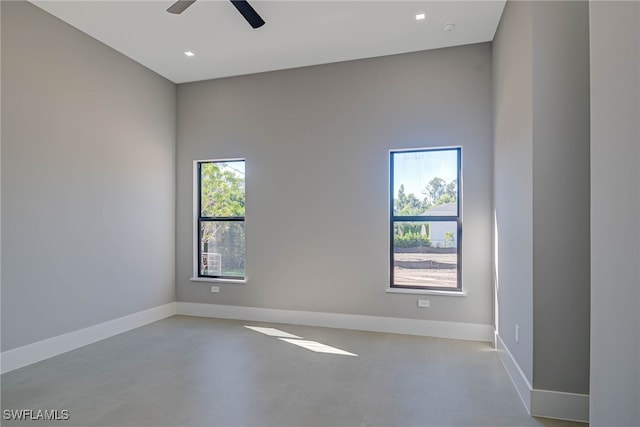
296	34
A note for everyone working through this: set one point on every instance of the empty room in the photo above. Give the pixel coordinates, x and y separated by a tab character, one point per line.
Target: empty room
320	213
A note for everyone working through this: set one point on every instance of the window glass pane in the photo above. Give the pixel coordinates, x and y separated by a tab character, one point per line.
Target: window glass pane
425	254
222	189
425	183
222	248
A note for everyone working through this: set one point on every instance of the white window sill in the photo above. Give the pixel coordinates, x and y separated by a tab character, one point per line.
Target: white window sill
214	280
426	292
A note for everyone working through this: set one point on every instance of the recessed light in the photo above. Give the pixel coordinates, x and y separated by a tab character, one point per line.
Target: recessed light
189	53
448	27
420	16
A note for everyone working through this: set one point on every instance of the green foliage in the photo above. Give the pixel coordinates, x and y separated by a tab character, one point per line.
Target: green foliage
407	204
445	198
452	188
436	192
443	192
411	240
412	227
449	239
222	190
411	235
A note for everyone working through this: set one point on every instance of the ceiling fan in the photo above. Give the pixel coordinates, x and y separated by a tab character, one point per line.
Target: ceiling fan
245	9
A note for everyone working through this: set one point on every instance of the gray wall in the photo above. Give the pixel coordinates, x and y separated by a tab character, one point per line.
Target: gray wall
88	167
615	212
513	180
541	126
561	277
317	144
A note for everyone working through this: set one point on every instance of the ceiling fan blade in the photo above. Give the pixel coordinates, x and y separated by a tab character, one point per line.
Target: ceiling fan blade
180	6
249	13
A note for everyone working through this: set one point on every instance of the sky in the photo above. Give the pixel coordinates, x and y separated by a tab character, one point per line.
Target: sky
416	169
236	167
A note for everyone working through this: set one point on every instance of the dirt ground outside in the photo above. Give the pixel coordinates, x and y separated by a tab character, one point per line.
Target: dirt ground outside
426	269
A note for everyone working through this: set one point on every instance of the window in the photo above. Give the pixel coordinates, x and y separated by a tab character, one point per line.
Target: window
220	224
426	226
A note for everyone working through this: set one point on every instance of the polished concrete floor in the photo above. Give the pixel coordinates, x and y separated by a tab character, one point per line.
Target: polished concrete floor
187	371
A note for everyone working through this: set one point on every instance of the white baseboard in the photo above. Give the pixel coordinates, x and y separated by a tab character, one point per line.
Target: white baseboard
41	350
518	378
431	328
543	403
560	405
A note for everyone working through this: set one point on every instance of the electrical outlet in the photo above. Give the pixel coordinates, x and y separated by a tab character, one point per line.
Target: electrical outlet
424	303
517	333
215	289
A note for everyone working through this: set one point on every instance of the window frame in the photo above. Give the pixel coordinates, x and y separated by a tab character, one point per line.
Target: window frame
422	218
198	220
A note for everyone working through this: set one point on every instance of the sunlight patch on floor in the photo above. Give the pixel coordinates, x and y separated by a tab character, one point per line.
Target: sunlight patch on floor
317	347
299	341
272	332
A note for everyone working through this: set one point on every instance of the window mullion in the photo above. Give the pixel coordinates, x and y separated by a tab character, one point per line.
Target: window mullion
221	218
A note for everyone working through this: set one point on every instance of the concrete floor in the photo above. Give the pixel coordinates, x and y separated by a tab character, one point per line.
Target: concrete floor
187	371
